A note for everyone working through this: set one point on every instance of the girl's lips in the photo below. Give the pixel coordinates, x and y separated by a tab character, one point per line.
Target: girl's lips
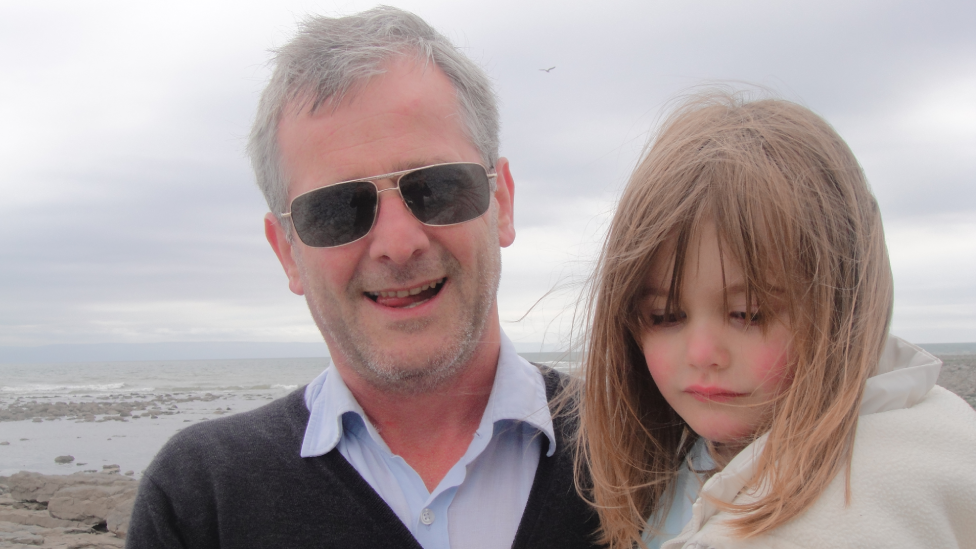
712	394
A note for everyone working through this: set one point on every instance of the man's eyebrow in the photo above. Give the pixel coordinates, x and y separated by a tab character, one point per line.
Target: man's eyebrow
414	164
397	167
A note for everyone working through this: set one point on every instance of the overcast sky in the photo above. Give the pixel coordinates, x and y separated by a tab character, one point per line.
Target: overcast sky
129	212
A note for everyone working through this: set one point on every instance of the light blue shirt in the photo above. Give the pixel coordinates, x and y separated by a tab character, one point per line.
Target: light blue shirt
686	489
479	502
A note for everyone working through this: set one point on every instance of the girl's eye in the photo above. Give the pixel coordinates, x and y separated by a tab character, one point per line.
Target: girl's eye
747	317
665	320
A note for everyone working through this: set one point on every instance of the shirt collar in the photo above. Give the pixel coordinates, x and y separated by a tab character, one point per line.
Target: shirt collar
517	394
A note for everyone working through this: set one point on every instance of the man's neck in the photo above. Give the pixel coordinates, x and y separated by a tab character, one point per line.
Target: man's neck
432	430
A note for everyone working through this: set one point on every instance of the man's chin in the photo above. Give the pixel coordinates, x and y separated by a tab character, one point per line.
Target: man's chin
426	371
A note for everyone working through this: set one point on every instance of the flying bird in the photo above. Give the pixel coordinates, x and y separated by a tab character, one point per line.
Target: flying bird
547	70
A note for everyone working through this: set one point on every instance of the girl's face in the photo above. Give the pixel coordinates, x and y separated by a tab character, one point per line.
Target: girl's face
718	370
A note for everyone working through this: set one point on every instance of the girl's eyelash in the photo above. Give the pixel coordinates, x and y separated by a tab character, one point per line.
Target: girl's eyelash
749	317
666	320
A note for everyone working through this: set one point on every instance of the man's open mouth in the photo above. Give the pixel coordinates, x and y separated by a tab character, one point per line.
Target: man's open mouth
407	297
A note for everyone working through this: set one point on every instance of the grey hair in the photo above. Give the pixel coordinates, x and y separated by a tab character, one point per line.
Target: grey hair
329	57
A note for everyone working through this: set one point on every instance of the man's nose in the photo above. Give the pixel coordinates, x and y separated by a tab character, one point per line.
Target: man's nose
397	235
707	345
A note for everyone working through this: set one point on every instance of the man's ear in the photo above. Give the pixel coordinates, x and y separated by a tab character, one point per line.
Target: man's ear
283	249
505	195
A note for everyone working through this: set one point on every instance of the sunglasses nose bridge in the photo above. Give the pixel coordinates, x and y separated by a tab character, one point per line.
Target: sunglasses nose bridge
395	187
381	191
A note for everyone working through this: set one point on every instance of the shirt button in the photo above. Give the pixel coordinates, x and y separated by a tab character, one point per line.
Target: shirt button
427	517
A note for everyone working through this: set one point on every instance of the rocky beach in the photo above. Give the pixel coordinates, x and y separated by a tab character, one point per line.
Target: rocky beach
81	510
959	376
77	500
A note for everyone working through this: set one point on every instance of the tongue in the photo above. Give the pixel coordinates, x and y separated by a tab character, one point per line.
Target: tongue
399	302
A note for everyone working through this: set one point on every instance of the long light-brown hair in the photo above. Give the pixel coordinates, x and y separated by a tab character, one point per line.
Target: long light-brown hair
792	208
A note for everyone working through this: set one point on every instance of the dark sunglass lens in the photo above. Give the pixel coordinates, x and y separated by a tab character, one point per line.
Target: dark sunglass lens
445	195
334	215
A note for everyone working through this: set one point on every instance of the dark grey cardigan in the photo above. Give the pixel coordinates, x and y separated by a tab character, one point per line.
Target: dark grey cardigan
240	482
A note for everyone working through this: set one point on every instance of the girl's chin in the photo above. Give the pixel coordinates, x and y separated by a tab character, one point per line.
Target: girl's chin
726	435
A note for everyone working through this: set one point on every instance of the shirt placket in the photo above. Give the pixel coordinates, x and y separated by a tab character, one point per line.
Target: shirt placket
431	525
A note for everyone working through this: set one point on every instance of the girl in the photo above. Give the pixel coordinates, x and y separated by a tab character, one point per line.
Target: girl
740	380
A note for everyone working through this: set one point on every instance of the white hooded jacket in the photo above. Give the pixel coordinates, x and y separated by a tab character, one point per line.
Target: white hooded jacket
913	473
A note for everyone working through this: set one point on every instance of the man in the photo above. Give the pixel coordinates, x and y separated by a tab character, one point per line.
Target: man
376	147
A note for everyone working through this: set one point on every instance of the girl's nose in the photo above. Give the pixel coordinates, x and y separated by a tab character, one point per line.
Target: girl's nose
707	346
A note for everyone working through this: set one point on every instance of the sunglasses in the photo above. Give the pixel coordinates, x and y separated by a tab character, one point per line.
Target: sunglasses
438	195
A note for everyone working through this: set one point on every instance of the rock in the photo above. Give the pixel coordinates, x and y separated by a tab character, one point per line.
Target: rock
27	486
93	541
77	511
64	459
11	527
111	469
24	538
71	537
34	518
117	521
4	443
129	473
89	504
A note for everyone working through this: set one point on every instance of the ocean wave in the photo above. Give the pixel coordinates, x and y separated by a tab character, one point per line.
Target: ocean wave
68	389
46	389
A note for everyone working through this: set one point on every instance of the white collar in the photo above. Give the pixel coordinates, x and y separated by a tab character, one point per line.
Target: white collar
518	393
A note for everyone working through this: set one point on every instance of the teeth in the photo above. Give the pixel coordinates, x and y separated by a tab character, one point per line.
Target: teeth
411	291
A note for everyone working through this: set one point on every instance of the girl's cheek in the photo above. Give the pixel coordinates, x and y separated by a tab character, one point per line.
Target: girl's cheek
772	366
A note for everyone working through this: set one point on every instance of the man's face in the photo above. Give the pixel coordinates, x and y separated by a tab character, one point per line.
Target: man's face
405	118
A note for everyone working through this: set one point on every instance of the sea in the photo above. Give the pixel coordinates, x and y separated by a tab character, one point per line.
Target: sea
107	414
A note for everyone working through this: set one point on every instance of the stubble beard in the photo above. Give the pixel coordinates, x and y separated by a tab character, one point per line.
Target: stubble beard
390	372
